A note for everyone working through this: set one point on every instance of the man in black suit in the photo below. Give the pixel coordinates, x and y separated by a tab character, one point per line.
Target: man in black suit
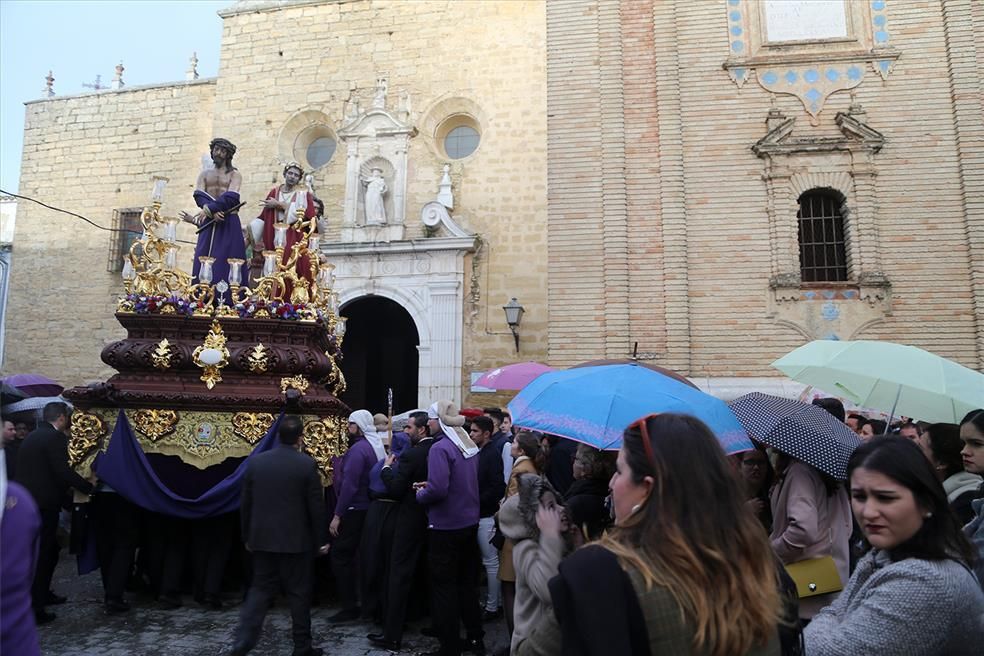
411	529
42	468
283	523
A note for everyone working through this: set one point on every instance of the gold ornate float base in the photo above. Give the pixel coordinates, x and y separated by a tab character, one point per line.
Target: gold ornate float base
200	439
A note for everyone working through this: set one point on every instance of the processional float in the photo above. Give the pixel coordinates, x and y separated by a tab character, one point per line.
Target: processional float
208	365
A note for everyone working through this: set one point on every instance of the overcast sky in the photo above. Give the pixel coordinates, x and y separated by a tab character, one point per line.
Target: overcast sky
79	39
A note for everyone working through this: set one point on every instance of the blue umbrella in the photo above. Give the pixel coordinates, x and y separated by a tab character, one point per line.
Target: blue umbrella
594	405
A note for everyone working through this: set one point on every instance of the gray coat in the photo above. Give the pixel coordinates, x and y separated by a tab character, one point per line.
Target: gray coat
975	531
909	608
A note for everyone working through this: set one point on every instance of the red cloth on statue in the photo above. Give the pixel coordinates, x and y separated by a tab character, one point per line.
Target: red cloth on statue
269	216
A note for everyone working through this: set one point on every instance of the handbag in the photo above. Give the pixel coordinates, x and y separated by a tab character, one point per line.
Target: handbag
815	576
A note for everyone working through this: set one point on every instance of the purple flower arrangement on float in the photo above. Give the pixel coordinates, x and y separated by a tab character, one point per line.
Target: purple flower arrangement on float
159	304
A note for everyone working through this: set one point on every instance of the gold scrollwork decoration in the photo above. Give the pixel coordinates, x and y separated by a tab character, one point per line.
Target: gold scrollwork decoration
300	383
258	360
212	356
87	430
323	441
336	379
160	357
155	424
251	426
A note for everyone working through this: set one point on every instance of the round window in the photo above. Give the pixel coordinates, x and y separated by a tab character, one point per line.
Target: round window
461	142
319	152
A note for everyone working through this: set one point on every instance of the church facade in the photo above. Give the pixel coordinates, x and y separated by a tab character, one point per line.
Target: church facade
706	185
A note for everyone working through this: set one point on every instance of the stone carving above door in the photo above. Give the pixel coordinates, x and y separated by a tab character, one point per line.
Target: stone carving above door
376	141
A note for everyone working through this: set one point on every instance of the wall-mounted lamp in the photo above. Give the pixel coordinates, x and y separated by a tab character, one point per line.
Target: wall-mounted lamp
514	314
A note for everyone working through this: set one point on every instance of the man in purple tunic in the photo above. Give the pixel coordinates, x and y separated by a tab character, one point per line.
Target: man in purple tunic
20	525
450	495
217	194
365	450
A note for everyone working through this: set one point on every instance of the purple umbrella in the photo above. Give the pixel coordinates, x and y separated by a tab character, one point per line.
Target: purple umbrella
34	385
512	376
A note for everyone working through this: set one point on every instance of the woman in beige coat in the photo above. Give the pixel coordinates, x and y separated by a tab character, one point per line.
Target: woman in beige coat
811	516
528	458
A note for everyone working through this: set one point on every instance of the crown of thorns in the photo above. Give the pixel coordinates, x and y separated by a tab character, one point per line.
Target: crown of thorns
225	143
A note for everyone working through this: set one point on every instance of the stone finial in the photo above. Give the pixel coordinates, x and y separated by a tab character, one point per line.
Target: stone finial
49	88
444	195
379	99
192	72
117	82
352	109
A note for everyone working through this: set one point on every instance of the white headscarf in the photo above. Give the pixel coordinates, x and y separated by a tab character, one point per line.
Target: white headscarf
432	412
451	424
363	420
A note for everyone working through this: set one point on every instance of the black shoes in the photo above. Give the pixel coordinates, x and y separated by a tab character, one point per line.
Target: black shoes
54	599
210	601
116	606
346	615
379	640
489	615
43	617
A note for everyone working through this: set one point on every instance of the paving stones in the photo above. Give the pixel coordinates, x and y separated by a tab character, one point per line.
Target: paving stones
83	628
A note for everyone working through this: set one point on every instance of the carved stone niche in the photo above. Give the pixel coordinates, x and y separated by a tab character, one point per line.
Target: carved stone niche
375	139
847	165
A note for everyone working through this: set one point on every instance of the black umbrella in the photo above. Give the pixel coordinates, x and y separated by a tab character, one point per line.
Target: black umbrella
805	432
10	394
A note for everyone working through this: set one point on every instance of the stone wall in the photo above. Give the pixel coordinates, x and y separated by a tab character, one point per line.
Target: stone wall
649	135
92	154
484	58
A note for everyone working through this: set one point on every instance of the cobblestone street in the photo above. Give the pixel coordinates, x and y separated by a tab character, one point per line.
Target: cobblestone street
83	629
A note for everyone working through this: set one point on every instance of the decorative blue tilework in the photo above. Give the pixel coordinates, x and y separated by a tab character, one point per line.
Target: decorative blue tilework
770	77
736	31
737	46
733	3
832	75
735	16
810	295
855	73
832	337
791	77
829	294
881	36
879	20
811	76
830	311
813	95
878	5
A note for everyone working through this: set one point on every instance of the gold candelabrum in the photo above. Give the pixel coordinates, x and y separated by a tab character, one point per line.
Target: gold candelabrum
150	269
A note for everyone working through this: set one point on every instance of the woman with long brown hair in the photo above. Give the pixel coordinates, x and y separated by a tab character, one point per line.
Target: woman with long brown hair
687	568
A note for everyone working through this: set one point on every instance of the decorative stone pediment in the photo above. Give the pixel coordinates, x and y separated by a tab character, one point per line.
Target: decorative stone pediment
377	142
856	135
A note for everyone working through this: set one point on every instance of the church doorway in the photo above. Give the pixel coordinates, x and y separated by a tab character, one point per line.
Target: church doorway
379	352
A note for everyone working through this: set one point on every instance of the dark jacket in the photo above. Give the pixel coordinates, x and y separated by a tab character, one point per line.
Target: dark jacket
42	467
283	508
413	469
585	504
491	480
560	463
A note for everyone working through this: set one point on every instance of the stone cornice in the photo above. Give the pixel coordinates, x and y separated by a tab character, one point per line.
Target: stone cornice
258	6
463	244
142	87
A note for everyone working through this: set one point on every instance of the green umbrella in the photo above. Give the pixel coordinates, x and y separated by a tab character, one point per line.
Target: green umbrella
888	377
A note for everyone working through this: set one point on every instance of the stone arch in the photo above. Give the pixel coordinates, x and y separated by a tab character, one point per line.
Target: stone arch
411	302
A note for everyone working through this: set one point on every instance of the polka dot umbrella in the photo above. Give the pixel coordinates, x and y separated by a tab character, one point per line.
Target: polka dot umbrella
805	432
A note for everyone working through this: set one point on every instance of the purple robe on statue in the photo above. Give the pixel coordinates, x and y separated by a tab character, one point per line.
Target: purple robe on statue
227	241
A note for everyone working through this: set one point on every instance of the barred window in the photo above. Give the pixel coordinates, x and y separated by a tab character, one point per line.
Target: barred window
126	230
823	256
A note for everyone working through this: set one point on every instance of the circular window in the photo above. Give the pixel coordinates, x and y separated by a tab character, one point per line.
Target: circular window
319	152
461	142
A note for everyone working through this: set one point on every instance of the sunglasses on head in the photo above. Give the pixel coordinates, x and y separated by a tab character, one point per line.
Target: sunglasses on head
647	444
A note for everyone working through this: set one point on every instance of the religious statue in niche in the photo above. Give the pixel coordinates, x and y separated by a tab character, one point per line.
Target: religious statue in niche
375	204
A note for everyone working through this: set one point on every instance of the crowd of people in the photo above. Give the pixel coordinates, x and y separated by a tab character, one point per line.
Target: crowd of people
667	546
